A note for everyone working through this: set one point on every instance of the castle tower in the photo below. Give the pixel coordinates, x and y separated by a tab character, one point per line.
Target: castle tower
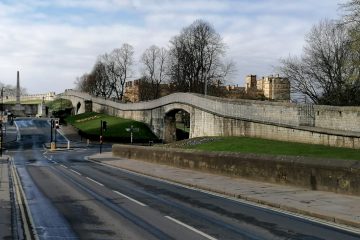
250	82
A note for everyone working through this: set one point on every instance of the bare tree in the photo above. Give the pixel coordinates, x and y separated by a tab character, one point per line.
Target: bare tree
10	90
154	61
196	58
96	83
352	11
324	71
123	59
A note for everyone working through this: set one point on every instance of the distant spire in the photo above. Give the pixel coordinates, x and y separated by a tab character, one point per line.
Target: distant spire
18	88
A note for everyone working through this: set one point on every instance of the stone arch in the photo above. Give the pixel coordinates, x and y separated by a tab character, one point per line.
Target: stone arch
176	124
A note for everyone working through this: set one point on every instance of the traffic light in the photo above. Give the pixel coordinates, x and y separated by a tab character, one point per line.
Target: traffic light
104	125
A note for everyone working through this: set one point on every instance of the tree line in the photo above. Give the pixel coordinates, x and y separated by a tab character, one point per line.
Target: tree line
328	71
194	62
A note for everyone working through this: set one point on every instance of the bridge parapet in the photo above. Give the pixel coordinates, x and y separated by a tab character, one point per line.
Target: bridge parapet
241	109
212	116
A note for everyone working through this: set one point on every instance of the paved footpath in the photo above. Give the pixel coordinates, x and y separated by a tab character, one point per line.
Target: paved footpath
338	208
5	203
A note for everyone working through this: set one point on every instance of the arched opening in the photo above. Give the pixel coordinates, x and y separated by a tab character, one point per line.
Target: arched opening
177	125
78	105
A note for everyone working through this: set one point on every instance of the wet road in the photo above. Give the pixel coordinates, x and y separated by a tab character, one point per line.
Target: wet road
72	198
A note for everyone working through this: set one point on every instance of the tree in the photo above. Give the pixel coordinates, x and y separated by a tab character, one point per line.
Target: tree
324	72
123	59
154	71
109	74
352	21
196	58
10	90
97	82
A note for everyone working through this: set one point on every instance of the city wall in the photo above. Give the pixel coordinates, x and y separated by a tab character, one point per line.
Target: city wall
33	97
317	174
211	116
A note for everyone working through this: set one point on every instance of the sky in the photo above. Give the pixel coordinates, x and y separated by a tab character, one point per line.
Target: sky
52	42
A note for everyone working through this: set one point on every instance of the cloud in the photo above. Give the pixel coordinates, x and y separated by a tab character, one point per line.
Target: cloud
53	42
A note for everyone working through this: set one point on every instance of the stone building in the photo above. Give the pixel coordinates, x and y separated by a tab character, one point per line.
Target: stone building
132	90
272	87
139	90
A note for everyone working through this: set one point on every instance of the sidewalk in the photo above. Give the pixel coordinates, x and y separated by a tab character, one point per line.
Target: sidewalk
342	209
5	203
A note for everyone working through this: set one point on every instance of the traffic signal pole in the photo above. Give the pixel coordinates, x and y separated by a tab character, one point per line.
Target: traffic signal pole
103	127
101	135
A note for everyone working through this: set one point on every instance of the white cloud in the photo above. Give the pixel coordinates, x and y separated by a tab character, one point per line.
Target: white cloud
51	52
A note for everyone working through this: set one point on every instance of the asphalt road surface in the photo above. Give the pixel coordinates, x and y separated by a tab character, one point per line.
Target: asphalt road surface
72	198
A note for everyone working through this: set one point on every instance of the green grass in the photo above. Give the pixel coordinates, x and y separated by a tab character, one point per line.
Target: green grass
116	127
262	146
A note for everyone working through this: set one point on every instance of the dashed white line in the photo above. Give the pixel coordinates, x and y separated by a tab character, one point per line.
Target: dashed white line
191	228
75	172
95	181
131	199
63	166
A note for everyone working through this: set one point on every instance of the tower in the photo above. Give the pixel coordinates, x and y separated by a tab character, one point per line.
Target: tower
18	90
250	82
19	110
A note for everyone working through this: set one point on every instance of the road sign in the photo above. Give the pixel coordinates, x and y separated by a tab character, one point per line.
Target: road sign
131	129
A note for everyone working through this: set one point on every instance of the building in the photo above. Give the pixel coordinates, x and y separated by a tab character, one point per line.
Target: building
141	90
272	87
132	91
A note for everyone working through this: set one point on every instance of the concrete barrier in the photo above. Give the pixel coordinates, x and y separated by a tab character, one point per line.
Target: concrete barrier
341	176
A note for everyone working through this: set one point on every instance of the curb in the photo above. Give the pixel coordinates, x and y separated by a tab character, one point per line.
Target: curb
29	229
295	210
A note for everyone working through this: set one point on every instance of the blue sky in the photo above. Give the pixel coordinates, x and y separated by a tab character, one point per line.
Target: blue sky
52	42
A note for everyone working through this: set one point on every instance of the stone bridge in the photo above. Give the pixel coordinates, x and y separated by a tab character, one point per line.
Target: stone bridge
211	116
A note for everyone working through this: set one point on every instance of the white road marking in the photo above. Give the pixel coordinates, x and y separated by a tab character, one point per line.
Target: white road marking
63	166
279	210
131	199
75	172
191	228
95	181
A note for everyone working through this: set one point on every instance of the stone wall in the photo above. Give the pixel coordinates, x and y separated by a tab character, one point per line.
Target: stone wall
339	118
50	96
211	116
318	174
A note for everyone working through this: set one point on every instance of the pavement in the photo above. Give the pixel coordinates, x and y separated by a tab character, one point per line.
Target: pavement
5	203
337	208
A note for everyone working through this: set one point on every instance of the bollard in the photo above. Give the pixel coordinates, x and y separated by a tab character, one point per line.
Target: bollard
68	145
52	146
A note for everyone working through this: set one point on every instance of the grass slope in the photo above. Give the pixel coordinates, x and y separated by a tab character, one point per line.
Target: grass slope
116	127
263	146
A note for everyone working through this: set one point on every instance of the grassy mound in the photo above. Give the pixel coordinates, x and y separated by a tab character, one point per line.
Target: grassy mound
263	146
89	126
